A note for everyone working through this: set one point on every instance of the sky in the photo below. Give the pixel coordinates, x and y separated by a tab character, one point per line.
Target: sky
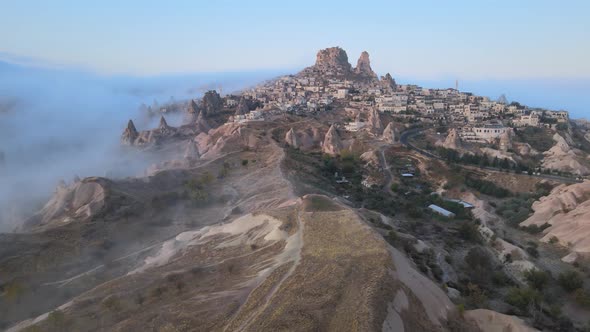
468	40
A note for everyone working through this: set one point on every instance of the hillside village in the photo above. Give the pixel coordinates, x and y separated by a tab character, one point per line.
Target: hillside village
331	199
473	124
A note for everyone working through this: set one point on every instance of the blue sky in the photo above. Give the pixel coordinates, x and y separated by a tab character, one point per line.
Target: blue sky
420	39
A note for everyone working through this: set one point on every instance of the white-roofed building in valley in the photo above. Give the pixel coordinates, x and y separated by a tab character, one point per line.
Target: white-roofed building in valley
438	210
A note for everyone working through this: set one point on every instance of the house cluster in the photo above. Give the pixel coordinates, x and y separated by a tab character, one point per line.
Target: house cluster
331	83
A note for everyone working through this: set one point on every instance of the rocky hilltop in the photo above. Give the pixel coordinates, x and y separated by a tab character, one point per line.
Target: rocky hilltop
363	66
333	62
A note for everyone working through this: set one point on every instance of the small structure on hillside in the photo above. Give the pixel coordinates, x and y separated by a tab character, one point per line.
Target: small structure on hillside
466	205
438	210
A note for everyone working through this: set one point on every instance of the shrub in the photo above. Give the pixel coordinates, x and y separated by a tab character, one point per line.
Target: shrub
532	251
244	162
469	232
523	298
57	319
536	279
570	281
13	291
582	297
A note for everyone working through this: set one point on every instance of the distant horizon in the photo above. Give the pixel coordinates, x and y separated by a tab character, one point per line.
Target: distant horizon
428	39
549	93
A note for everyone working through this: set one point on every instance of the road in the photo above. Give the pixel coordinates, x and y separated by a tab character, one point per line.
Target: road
408	134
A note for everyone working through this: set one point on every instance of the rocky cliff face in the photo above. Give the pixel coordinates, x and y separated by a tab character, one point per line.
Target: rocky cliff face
390	134
333	58
291	139
192	112
211	103
562	157
332	143
363	66
374	123
567	210
387	82
129	135
453	141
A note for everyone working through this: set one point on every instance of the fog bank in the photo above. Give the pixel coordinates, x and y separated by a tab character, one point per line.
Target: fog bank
56	124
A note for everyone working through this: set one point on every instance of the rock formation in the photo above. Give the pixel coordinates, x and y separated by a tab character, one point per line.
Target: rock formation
191	151
453	141
211	103
390	134
363	66
371	158
163	127
567	210
374	124
192	112
388	83
505	141
333	58
202	124
291	139
81	200
130	134
332	144
564	158
242	108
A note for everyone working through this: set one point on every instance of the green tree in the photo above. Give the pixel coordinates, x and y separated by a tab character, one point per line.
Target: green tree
525	299
570	281
536	279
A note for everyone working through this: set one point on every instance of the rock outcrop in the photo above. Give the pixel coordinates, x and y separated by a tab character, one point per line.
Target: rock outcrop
78	201
332	144
453	141
390	134
505	141
201	124
163	127
130	134
191	151
562	157
211	103
488	320
388	83
333	58
374	123
567	210
363	66
192	112
292	140
242	108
